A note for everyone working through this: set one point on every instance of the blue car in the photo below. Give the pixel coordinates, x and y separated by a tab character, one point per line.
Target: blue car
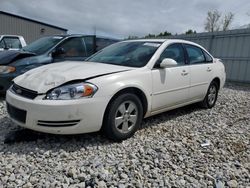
49	49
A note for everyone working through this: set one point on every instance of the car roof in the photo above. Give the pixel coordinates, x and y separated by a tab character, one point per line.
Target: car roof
68	35
11	36
161	40
146	40
165	41
81	35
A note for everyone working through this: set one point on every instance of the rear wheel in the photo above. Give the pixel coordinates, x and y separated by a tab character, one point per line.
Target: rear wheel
123	117
211	97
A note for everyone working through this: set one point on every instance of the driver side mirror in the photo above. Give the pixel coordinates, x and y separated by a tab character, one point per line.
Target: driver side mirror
57	52
168	62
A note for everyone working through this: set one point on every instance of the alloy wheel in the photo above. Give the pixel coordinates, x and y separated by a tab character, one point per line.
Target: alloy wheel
212	94
126	117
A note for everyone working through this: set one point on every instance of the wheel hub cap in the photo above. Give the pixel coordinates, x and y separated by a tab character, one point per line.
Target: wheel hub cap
126	117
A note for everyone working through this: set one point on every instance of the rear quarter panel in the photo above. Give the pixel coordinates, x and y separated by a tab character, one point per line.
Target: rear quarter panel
219	71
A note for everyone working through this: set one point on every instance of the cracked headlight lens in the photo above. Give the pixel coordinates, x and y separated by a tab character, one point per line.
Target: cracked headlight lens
72	91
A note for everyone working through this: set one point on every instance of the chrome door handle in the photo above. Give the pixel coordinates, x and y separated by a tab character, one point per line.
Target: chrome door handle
209	69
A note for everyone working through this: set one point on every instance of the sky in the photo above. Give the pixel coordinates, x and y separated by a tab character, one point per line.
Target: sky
123	18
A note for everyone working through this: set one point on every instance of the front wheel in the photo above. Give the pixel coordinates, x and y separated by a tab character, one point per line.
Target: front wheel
123	117
211	97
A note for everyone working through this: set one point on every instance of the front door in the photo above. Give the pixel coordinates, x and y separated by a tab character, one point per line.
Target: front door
171	84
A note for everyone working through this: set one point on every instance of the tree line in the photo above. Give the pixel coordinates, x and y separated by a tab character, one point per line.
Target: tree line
215	21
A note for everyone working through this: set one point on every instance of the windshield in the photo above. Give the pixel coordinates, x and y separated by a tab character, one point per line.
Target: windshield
42	45
132	54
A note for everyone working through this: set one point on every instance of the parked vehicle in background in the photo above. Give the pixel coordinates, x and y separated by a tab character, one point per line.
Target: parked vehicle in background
47	50
116	88
11	42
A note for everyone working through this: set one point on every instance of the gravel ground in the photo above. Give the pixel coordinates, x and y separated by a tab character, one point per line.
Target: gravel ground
166	152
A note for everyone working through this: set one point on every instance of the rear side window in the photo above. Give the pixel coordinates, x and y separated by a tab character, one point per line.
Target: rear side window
90	45
73	47
195	54
12	42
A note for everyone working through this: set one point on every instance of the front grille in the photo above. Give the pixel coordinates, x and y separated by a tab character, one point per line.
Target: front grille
16	113
24	92
58	123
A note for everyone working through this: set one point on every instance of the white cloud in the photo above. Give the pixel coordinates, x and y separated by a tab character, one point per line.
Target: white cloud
122	18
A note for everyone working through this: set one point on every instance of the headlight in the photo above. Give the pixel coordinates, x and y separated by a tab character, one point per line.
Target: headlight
7	69
73	91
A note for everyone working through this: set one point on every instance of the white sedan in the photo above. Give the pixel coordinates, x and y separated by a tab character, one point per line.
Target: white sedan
115	88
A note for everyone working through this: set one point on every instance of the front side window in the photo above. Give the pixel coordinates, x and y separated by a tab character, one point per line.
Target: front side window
175	52
132	54
73	47
195	54
42	45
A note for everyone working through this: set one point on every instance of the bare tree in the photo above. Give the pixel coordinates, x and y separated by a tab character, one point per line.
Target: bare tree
212	21
227	21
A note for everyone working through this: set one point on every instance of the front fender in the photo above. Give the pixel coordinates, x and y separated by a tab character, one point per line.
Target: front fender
110	85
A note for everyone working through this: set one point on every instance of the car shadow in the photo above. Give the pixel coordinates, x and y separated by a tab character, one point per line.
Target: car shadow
18	139
170	115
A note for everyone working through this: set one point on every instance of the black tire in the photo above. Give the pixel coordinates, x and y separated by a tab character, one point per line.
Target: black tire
208	101
2	95
113	116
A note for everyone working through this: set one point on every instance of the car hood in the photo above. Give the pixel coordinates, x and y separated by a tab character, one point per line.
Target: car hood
50	76
9	56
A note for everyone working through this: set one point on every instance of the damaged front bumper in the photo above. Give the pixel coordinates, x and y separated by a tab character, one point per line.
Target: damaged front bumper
57	116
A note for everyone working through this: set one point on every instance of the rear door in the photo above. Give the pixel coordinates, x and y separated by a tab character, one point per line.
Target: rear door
201	71
171	84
